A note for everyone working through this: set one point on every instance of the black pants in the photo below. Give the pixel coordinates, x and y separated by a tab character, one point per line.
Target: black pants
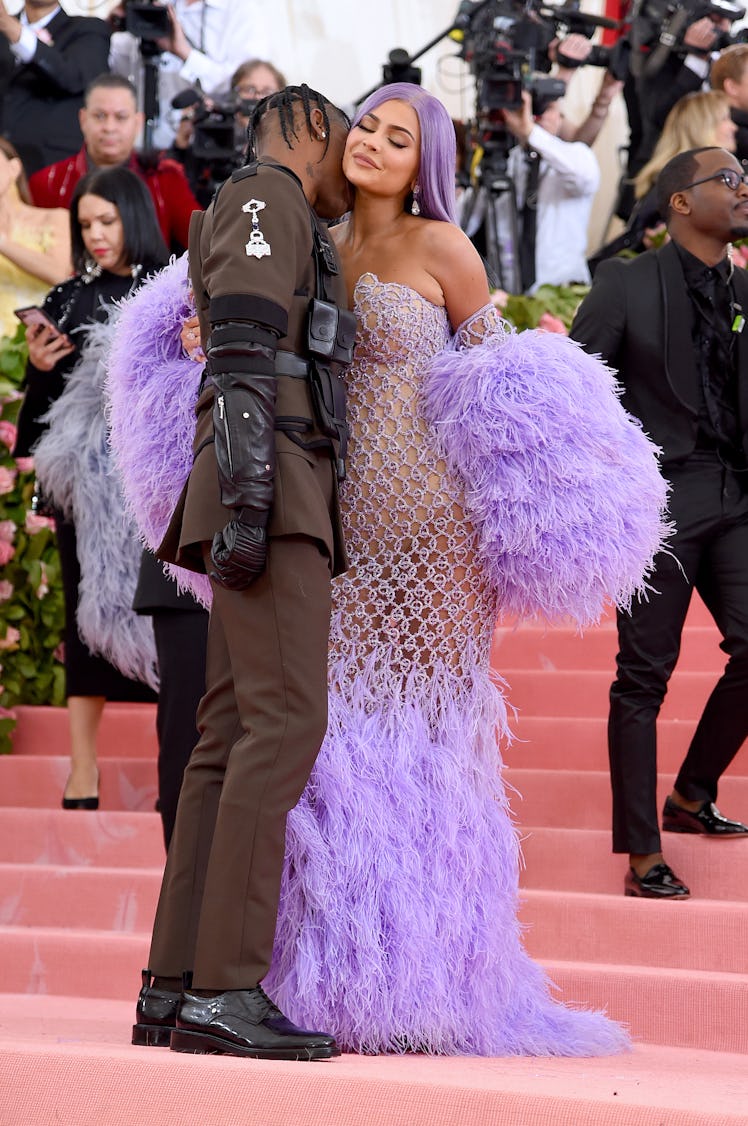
709	505
181	639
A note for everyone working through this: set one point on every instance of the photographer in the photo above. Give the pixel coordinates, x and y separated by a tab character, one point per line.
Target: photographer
204	43
556	181
211	137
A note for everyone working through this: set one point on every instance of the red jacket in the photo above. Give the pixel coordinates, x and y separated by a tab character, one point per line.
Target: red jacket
172	196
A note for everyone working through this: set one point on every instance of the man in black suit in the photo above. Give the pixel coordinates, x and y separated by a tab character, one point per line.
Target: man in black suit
671	321
47	58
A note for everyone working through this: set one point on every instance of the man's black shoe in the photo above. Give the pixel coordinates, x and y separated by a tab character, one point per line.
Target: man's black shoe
155	1015
706	820
245	1022
660	882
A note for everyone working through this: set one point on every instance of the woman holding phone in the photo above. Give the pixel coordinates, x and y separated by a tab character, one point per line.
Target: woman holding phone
116	242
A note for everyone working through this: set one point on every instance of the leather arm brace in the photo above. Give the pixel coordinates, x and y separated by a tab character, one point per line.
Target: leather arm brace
241	358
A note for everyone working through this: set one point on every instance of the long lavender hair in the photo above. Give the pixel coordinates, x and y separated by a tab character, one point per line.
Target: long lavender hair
436	175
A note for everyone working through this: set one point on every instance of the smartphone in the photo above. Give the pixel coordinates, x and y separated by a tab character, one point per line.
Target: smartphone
33	315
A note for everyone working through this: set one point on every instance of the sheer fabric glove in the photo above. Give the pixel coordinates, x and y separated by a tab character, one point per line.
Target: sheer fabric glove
238	555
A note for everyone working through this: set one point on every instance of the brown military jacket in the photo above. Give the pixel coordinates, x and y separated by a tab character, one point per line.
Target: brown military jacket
305	487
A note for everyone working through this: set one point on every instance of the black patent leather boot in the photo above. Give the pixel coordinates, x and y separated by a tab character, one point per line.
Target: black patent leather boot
245	1022
155	1014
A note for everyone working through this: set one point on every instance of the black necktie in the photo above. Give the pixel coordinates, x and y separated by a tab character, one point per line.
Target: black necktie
529	219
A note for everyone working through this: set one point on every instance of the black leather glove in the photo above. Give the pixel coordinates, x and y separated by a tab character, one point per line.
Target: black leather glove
238	554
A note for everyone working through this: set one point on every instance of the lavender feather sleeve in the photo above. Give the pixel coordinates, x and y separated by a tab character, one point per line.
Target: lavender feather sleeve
562	483
151	390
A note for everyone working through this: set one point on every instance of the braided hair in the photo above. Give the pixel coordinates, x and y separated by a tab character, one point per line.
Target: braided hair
284	102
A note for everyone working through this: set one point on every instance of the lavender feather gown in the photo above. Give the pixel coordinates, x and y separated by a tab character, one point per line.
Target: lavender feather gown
398	925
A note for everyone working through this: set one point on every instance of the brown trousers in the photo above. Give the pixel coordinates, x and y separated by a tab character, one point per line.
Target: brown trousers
261	722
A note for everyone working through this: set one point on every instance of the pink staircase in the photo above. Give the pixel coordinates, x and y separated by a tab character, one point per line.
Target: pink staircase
78	890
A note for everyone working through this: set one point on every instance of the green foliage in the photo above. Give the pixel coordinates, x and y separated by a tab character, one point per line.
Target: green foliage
526	311
32	610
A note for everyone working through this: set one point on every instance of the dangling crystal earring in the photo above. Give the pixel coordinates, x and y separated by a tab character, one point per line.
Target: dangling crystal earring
414	207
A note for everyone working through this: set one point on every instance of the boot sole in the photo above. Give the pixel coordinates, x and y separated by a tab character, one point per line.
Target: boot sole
152	1036
200	1043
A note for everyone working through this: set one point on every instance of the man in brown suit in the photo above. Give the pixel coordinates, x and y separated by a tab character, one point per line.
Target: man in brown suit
259	513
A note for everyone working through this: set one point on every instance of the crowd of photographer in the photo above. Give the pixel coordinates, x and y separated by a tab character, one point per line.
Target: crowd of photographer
182	78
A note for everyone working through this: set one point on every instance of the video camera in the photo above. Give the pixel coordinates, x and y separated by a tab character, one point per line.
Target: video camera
219	139
506	43
145	19
658	28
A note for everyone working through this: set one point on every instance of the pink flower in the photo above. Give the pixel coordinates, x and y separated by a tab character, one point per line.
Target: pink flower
35	523
59	653
499	298
7	713
11	639
6	590
7	480
7	531
8	433
7	551
25	464
43	587
549	323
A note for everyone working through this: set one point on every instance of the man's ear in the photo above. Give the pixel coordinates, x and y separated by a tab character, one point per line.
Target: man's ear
318	123
730	87
680	203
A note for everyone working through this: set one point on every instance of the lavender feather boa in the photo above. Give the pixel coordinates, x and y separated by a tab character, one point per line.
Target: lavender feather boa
73	461
151	389
562	483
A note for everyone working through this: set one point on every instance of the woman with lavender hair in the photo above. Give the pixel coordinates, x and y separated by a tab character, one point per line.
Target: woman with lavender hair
488	471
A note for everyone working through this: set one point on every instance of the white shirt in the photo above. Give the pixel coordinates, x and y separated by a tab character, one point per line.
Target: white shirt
569	178
223	34
25	49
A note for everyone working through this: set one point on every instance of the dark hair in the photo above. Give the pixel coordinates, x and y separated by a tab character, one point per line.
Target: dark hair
21	182
283	103
678	174
110	81
244	70
144	243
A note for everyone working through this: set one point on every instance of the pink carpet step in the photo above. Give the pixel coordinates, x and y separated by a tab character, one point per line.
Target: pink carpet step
567	692
57	836
39	781
53	895
561	799
68	1060
662	1006
698	935
573	860
91	963
533	647
581	743
126	731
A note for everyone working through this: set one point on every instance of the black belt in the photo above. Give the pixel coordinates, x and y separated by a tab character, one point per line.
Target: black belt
288	363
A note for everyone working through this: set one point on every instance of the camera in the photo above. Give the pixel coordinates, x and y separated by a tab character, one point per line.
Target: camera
658	27
146	20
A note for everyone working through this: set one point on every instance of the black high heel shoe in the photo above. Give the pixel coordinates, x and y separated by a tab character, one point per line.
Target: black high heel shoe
80	803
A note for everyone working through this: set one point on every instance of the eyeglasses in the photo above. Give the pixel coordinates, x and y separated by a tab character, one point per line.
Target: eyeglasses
728	176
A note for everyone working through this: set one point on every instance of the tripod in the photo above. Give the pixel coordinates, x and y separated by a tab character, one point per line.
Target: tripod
489	217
